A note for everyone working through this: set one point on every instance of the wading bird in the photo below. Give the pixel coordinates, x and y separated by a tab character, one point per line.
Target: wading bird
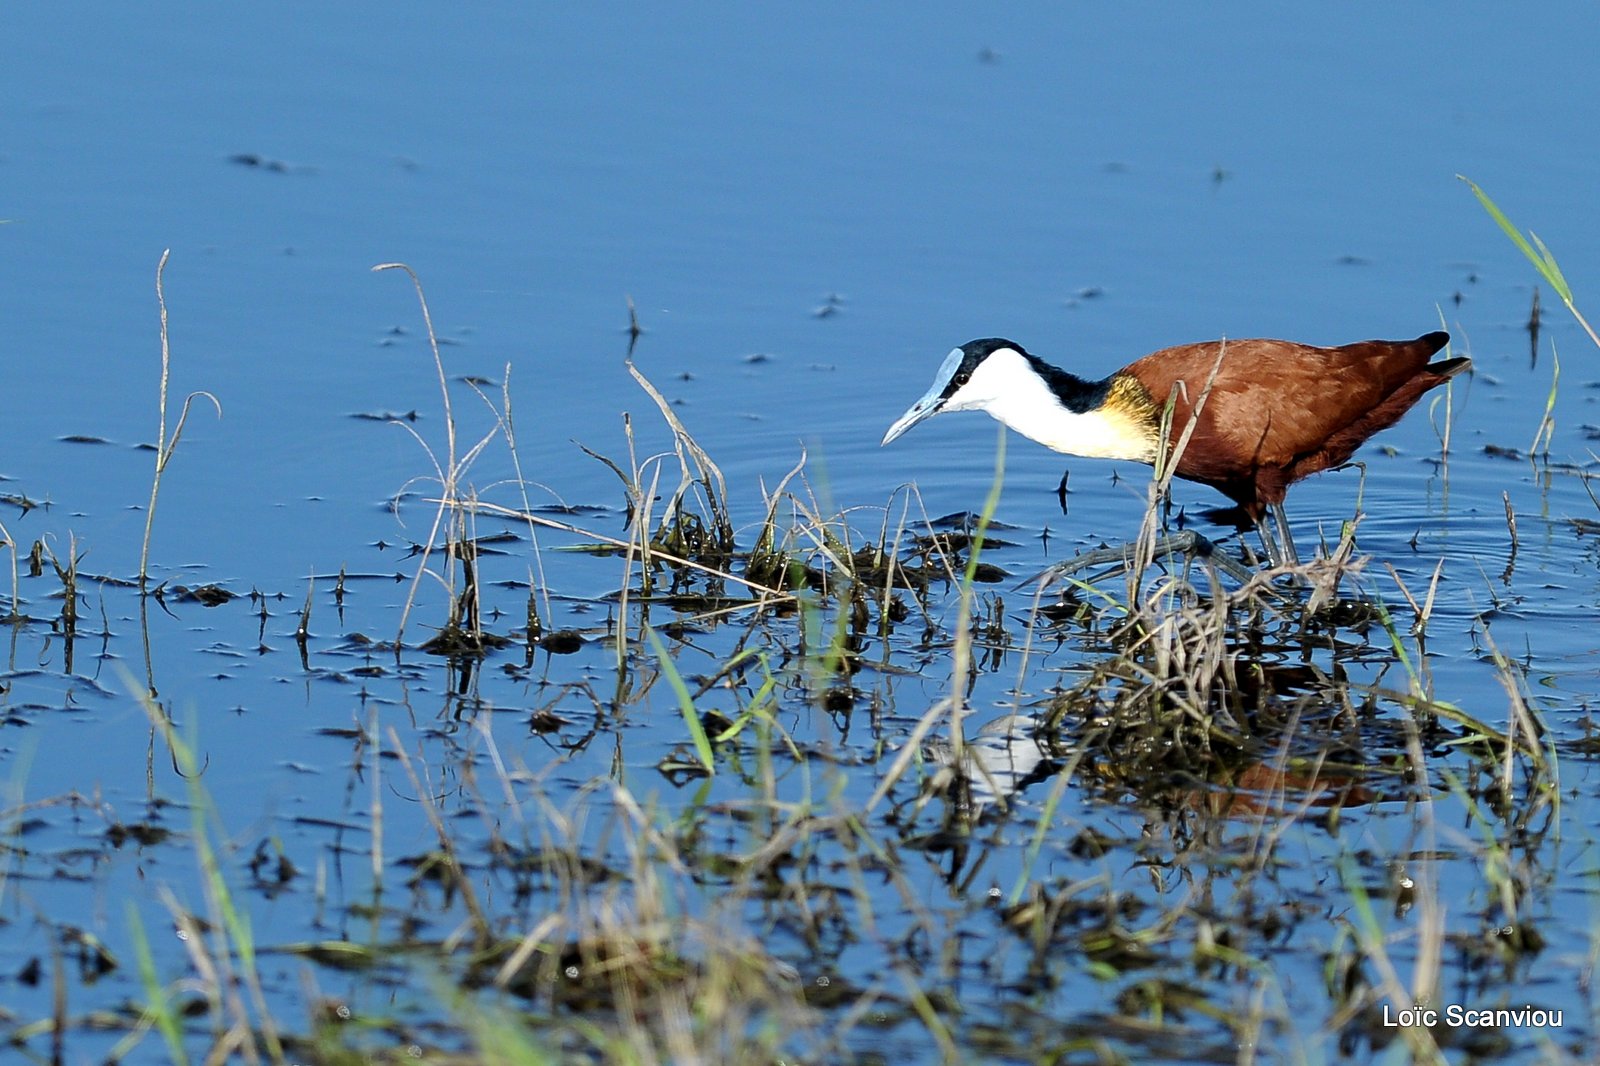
1275	412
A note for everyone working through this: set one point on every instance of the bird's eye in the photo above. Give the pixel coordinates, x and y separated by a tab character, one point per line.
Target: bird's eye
961	378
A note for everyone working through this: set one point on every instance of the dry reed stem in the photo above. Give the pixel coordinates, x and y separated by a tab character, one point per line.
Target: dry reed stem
164	448
1166	467
716	494
15	614
507	426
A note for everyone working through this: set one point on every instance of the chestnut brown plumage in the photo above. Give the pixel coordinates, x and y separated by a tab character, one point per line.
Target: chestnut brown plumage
1277	411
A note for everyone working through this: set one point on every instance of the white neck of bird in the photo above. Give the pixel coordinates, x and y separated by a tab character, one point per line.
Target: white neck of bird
1007	386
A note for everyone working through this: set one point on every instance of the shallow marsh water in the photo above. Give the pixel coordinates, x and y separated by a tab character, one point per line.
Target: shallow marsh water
807	210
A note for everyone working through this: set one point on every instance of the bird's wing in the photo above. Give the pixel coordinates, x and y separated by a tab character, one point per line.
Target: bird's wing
1275	401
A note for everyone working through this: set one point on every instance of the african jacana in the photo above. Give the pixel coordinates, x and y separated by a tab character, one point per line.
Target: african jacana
1276	412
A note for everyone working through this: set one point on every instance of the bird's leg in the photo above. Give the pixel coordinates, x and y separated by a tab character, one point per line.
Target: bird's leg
1269	543
1290	556
1280	549
1061	490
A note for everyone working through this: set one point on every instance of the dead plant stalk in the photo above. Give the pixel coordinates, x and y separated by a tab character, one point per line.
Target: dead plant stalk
164	447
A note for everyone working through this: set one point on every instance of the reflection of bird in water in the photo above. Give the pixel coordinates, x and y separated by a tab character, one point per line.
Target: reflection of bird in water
999	761
1004	758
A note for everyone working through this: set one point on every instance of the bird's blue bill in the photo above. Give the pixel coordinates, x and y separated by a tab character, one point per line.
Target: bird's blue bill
931	401
926	407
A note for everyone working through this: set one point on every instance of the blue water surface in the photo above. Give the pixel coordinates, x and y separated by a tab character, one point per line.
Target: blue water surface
807	208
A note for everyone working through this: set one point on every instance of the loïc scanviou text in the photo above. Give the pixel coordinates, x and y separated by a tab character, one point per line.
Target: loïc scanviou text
1455	1015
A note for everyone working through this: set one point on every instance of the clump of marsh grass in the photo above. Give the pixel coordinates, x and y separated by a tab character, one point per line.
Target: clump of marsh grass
660	983
705	533
681	545
636	948
462	636
1202	681
681	548
694	531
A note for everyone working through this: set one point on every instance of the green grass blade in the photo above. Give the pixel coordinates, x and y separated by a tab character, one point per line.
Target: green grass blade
1546	433
1551	270
1542	260
158	1005
691	720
